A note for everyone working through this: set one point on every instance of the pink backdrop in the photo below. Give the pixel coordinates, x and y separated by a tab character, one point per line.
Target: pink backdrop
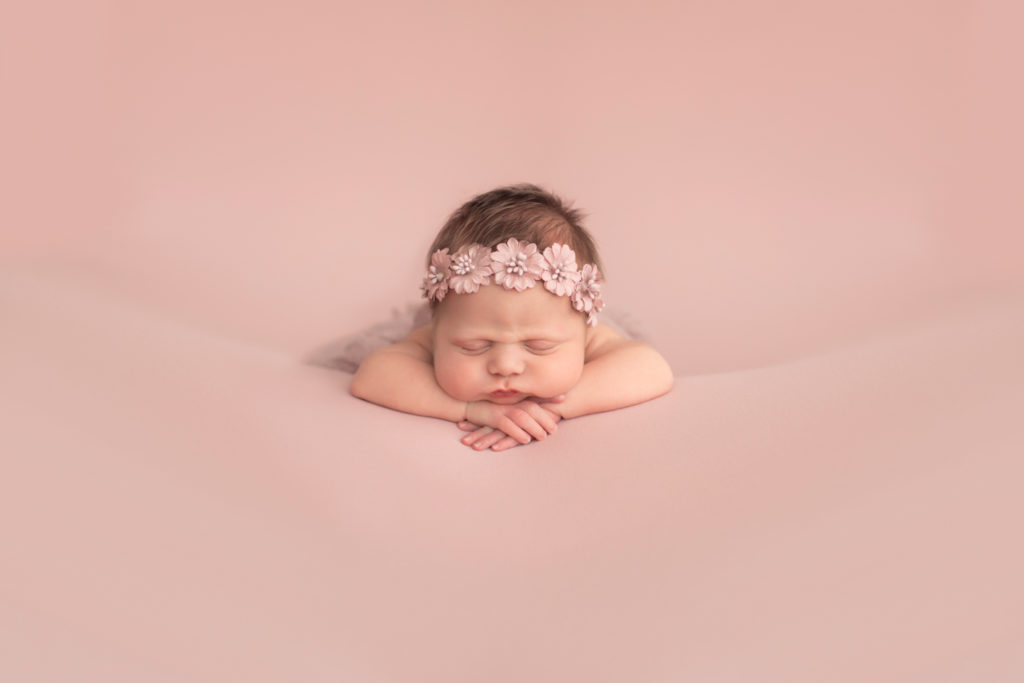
195	194
783	175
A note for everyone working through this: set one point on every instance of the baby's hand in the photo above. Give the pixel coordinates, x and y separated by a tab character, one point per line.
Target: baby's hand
499	426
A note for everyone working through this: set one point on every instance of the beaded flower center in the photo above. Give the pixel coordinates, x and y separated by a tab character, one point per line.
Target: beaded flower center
462	265
435	275
519	267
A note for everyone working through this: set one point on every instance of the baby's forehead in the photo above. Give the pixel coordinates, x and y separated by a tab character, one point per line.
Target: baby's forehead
495	310
495	322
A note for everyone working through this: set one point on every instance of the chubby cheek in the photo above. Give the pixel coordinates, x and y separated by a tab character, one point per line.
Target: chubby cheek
563	376
458	376
553	375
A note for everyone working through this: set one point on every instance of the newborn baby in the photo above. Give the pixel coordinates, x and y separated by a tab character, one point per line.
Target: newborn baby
514	344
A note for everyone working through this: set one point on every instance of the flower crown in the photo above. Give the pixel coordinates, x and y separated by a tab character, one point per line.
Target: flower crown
519	266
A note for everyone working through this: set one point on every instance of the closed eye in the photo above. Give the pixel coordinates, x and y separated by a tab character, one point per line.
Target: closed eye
540	347
475	349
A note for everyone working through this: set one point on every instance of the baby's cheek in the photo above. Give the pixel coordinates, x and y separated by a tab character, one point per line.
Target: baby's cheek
573	374
454	378
565	374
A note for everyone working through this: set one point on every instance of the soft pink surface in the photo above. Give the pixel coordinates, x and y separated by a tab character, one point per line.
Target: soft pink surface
808	209
176	506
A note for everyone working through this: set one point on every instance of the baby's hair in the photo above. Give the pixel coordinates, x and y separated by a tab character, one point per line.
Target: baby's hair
523	211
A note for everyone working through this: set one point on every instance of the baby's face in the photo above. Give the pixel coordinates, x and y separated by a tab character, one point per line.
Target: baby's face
527	343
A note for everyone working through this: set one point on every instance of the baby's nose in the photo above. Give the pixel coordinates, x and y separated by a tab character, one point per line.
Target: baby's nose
505	361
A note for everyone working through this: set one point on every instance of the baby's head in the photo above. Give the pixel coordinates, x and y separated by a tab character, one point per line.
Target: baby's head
514	280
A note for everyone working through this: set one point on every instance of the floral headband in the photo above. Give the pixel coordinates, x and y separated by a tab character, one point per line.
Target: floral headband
519	266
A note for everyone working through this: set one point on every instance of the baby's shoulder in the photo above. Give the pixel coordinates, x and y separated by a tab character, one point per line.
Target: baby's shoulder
418	344
600	340
422	338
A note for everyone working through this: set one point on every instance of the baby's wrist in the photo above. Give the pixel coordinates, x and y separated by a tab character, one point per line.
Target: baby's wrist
558	408
473	412
476	412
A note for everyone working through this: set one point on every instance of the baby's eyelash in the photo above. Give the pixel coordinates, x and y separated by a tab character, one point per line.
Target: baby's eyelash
533	347
475	349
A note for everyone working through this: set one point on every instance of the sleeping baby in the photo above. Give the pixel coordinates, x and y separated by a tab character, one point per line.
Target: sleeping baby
514	344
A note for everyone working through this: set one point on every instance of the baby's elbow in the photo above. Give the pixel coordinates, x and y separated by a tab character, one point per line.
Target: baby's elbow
358	387
667	380
368	377
663	377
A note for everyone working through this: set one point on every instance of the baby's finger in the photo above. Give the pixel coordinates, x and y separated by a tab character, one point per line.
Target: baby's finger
478	434
504	444
528	421
490	440
543	417
519	432
467	426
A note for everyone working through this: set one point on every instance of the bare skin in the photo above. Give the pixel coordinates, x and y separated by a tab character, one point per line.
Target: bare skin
507	366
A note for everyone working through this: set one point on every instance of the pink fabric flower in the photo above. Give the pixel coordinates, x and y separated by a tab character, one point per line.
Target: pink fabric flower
435	283
587	297
559	270
516	265
470	267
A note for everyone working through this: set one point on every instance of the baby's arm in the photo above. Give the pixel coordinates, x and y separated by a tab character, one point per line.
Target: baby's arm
618	372
401	376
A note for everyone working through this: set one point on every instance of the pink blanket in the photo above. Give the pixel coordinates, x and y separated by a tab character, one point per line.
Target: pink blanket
178	505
